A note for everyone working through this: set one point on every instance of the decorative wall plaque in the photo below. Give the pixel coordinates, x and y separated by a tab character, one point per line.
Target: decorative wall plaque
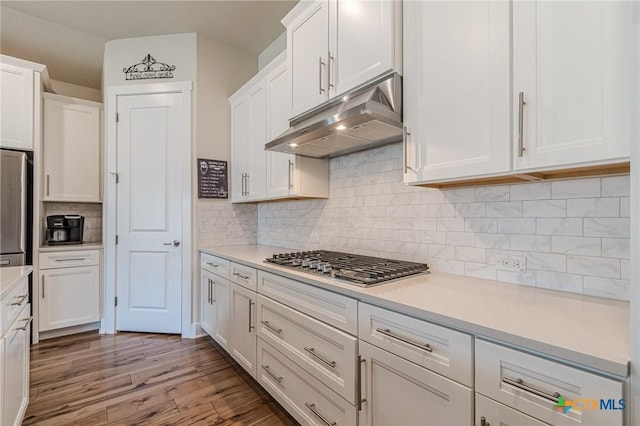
149	68
212	179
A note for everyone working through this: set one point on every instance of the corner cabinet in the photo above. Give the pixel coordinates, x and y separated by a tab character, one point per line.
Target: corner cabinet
336	45
72	149
259	113
519	91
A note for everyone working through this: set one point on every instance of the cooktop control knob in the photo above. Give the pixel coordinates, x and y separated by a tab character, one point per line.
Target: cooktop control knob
296	262
326	268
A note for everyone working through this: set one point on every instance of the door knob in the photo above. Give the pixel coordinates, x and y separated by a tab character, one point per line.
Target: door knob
174	243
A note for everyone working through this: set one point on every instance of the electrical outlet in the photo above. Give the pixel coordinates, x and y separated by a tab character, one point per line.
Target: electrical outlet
511	263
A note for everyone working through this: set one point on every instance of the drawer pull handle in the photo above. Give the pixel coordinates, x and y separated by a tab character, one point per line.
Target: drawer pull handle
72	259
312	407
212	265
244	277
251	327
520	384
388	332
269	372
27	321
270	327
312	351
24	296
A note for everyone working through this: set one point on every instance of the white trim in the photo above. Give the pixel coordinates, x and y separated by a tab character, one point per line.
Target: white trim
110	200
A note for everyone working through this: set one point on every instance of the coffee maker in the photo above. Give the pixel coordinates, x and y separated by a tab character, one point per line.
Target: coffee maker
64	229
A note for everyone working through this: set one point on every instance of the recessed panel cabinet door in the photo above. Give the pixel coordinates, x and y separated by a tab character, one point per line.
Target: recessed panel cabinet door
16	110
456	89
575	79
243	327
221	333
256	185
207	285
240	117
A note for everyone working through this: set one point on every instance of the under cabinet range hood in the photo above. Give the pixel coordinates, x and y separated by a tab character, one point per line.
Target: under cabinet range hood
364	118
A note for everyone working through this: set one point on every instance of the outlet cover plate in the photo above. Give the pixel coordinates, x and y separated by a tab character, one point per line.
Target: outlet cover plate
511	263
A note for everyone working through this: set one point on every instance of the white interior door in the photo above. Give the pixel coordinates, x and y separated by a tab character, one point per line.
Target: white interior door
150	149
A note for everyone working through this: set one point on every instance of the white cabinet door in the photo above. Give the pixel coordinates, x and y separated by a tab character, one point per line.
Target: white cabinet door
72	163
398	392
221	333
15	363
308	48
489	412
240	116
16	107
362	42
456	89
207	295
256	185
69	296
243	328
576	82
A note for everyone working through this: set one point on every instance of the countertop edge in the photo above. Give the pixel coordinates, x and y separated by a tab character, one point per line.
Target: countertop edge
14	274
71	247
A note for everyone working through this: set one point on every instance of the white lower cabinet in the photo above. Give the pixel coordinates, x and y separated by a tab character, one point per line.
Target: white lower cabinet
242	326
306	398
221	332
398	392
14	369
489	412
207	297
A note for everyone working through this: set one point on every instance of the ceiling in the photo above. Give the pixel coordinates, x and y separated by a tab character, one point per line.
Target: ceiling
69	36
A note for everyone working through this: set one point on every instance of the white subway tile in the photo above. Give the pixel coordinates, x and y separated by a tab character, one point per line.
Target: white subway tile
492	193
531	191
493	241
481	225
606	287
432	196
615	247
576	188
450	224
544	208
431	237
470	254
547	262
625	207
594	266
441	252
559	281
616	186
465	239
470	209
463	195
441	210
625	269
525	278
529	243
607	227
480	270
450	266
593	207
576	245
504	209
559	226
517	226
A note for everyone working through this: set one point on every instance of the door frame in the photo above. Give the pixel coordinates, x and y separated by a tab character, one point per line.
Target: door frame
110	205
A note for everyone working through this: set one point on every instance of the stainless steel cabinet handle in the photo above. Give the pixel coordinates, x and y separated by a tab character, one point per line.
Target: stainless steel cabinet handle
209	290
248	182
174	243
244	277
484	422
290	174
320	65
270	327
330	58
275	377
360	398
251	327
312	351
521	104
520	384
71	259
405	148
212	265
312	407
213	291
388	332
18	303
43	286
26	325
47	185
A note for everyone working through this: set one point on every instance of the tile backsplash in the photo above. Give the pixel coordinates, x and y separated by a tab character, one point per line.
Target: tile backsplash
92	213
573	233
223	223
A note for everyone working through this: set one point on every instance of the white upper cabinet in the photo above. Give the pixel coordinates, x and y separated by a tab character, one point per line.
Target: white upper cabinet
456	89
72	160
336	45
575	81
240	116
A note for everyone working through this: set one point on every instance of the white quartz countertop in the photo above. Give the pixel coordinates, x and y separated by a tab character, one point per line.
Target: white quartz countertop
71	247
10	276
582	330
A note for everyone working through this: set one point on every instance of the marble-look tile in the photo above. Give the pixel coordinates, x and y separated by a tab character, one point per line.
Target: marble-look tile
576	188
547	262
576	245
625	269
544	208
450	266
616	247
530	243
559	226
470	254
530	191
492	193
470	209
464	239
606	287
504	209
480	270
593	207
594	266
441	252
517	226
625	207
607	227
525	278
462	195
481	225
493	241
559	281
616	186
450	224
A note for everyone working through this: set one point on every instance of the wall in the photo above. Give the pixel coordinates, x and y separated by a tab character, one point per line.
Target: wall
574	233
276	47
75	91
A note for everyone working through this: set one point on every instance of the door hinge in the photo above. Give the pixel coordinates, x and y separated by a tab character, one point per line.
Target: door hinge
116	239
115	301
117	117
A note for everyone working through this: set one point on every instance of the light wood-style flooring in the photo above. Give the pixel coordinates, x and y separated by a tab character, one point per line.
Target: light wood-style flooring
139	378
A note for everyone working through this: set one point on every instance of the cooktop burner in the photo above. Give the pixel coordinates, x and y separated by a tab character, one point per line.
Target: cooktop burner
361	270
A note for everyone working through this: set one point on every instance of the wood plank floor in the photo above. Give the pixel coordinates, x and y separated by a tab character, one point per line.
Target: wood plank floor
140	378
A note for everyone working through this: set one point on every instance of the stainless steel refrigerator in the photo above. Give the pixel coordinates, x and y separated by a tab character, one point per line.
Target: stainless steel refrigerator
13	207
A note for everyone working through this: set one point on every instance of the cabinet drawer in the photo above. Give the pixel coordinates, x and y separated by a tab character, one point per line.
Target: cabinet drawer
243	275
325	352
440	349
304	397
68	259
489	412
334	309
534	385
13	303
215	264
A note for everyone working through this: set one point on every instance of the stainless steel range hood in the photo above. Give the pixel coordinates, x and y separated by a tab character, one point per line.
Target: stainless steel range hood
367	117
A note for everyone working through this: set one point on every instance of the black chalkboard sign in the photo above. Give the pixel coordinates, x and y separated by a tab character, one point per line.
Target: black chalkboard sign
212	179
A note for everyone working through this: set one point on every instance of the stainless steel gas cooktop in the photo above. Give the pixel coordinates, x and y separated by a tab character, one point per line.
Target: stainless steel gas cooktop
361	270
